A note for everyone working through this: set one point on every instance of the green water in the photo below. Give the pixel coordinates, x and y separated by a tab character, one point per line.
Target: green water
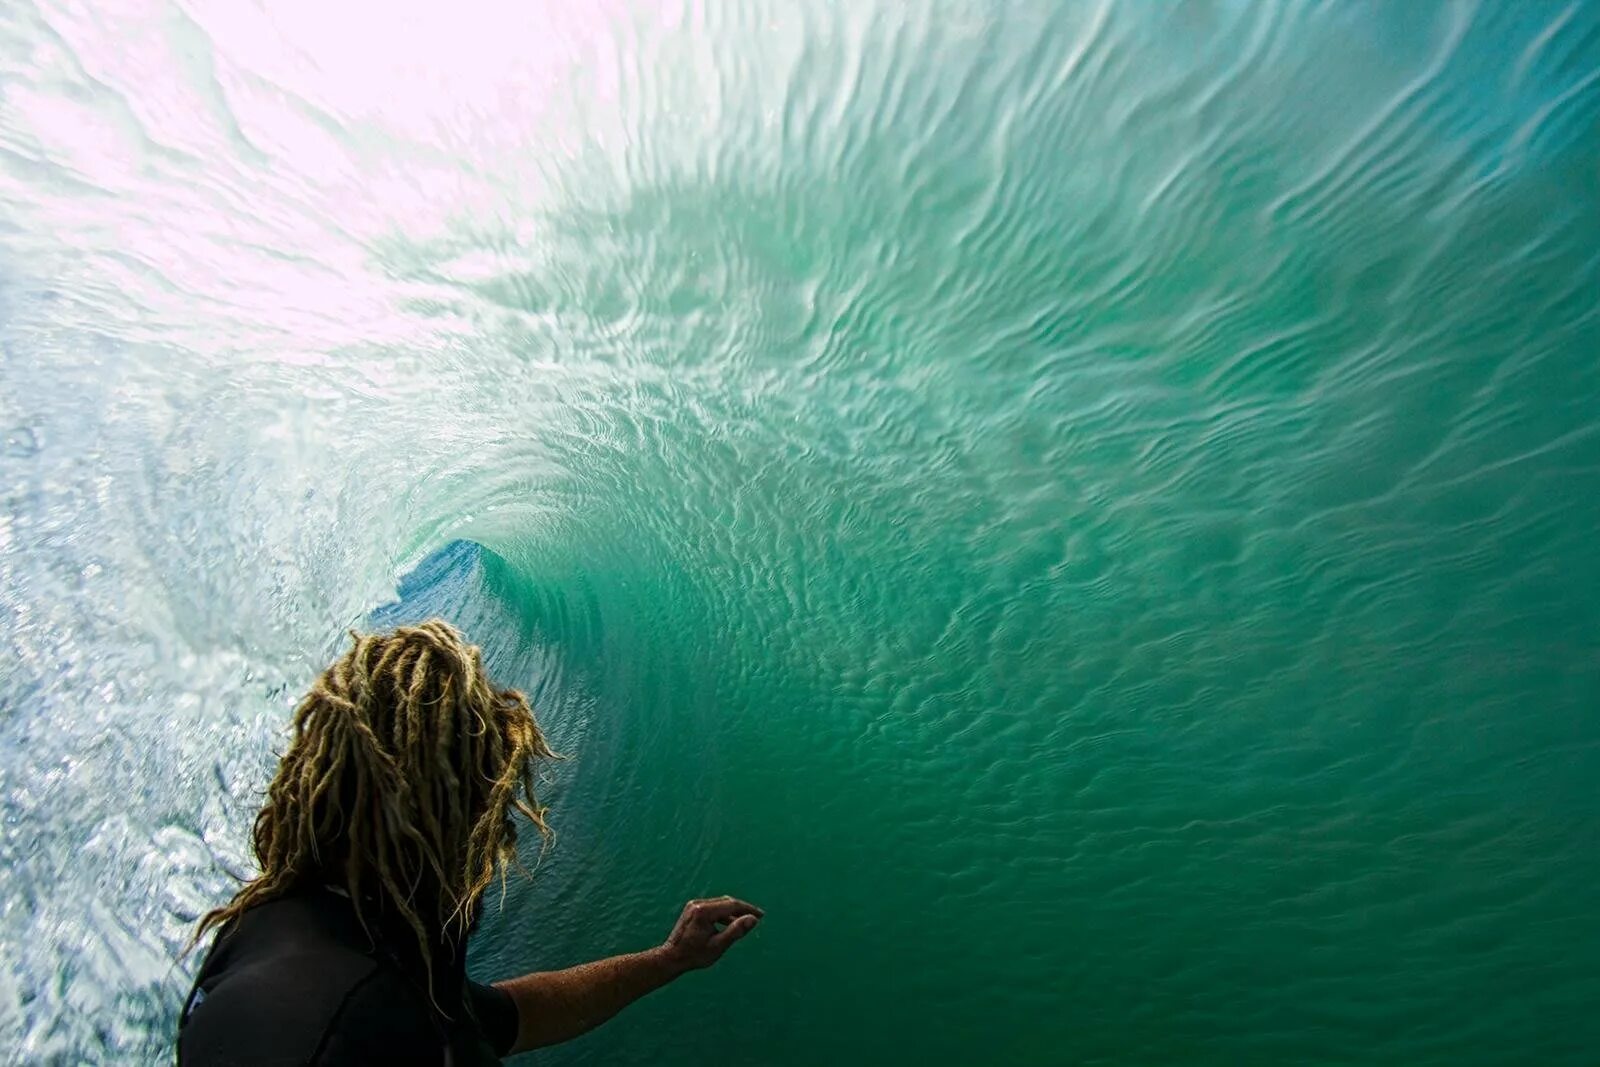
1085	513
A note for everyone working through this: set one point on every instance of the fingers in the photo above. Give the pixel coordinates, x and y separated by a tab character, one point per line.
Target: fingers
722	909
734	931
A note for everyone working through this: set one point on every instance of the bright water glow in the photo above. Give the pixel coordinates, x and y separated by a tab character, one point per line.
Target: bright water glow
1085	511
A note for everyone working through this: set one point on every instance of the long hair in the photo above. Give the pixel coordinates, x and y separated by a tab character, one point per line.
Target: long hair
399	784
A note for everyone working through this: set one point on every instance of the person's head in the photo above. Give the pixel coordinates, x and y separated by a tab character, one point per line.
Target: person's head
399	784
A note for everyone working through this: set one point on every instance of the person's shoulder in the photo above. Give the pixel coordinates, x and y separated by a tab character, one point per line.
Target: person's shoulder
272	1009
277	980
299	923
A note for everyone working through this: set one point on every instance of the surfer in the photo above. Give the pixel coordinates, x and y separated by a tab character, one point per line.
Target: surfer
391	812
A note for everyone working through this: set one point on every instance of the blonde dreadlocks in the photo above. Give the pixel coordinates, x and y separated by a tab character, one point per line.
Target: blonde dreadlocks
404	768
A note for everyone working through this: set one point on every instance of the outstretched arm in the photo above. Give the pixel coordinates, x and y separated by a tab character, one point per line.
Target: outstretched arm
556	1006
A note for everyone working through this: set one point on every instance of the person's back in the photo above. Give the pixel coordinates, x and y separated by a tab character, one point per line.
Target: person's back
298	981
390	814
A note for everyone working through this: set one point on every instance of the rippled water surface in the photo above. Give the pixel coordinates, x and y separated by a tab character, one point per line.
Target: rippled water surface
1086	511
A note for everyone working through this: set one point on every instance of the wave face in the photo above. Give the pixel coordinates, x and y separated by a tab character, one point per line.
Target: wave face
1085	511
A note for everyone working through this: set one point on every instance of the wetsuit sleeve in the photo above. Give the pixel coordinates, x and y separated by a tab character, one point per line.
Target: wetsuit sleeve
496	1013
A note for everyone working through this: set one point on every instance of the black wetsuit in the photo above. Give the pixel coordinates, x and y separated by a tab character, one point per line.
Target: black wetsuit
298	981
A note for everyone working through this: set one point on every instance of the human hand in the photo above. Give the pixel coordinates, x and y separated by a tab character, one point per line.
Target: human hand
706	929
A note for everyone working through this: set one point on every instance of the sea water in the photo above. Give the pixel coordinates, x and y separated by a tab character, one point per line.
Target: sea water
1085	511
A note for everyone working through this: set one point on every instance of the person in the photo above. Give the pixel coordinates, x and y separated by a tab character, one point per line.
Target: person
390	815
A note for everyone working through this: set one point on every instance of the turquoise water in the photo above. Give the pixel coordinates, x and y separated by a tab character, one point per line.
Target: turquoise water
1085	512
